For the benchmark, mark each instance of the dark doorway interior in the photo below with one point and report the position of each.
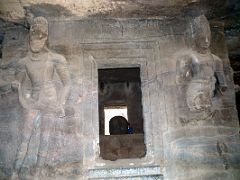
(234, 60)
(120, 91)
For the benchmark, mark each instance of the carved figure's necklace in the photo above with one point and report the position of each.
(34, 58)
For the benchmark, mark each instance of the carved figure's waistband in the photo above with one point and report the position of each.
(46, 84)
(205, 81)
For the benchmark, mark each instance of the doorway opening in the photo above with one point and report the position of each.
(120, 114)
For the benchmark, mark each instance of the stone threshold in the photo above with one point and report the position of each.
(144, 172)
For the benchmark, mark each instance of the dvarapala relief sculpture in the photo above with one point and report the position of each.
(200, 70)
(44, 103)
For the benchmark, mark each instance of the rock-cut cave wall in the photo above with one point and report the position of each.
(181, 143)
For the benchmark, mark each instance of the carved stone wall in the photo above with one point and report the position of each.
(176, 147)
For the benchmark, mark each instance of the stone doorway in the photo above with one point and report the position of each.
(120, 88)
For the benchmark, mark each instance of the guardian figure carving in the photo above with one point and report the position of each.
(200, 70)
(43, 102)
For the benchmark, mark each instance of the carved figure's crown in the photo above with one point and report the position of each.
(200, 21)
(200, 25)
(41, 24)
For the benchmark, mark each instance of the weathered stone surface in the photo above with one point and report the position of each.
(182, 142)
(123, 8)
(122, 146)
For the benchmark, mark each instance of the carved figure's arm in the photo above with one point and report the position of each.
(17, 84)
(5, 85)
(219, 73)
(184, 71)
(63, 73)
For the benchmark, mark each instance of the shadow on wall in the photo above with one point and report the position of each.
(238, 104)
(234, 60)
(1, 43)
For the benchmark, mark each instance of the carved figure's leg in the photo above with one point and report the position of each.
(45, 134)
(27, 132)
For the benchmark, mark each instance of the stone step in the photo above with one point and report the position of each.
(130, 173)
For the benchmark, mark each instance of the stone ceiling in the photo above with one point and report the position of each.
(14, 10)
(225, 10)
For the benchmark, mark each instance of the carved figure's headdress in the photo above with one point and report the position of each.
(201, 25)
(201, 20)
(41, 24)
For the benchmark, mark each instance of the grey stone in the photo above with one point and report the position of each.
(180, 143)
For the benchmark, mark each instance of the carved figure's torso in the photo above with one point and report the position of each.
(41, 73)
(203, 68)
(201, 73)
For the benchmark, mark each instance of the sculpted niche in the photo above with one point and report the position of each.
(43, 102)
(200, 71)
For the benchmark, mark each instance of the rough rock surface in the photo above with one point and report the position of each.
(201, 145)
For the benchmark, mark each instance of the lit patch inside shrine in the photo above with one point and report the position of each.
(110, 112)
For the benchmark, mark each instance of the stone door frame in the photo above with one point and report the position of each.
(141, 54)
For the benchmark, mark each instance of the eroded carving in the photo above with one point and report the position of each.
(39, 66)
(43, 101)
(200, 70)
